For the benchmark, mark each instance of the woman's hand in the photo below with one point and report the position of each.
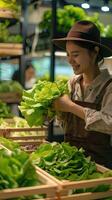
(63, 104)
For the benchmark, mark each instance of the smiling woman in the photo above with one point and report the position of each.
(86, 115)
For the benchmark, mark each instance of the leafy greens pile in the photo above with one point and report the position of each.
(5, 110)
(36, 105)
(16, 168)
(63, 161)
(10, 86)
(10, 5)
(66, 162)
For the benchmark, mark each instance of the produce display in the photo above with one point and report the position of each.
(10, 5)
(6, 36)
(16, 168)
(68, 163)
(5, 111)
(67, 16)
(10, 86)
(36, 105)
(19, 122)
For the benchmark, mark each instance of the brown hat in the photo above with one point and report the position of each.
(85, 31)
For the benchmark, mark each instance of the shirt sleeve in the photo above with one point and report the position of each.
(100, 120)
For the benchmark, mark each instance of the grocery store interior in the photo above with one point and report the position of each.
(27, 30)
(35, 25)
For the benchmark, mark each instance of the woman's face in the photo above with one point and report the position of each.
(29, 73)
(81, 60)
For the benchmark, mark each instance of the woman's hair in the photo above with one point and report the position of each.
(28, 65)
(16, 75)
(90, 47)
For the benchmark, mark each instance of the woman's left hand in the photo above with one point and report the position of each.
(63, 104)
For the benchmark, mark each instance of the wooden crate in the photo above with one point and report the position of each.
(27, 143)
(10, 97)
(65, 187)
(6, 13)
(11, 49)
(48, 187)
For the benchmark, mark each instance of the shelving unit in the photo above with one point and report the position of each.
(10, 51)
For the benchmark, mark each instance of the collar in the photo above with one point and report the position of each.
(103, 77)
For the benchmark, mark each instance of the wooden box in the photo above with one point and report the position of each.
(48, 188)
(27, 143)
(11, 49)
(10, 97)
(6, 13)
(65, 187)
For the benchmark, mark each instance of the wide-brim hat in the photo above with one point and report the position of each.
(86, 31)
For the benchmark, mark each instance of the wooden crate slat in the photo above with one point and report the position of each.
(10, 52)
(88, 196)
(49, 188)
(65, 186)
(30, 142)
(11, 46)
(5, 13)
(10, 97)
(11, 49)
(40, 137)
(24, 129)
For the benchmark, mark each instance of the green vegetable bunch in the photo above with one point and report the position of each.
(6, 36)
(36, 105)
(66, 18)
(66, 162)
(10, 5)
(16, 169)
(63, 161)
(10, 86)
(5, 110)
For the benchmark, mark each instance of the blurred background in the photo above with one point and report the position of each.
(27, 28)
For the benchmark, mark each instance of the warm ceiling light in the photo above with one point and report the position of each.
(85, 5)
(105, 7)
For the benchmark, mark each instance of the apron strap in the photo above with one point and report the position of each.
(97, 103)
(99, 97)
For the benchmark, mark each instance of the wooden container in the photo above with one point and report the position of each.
(27, 143)
(11, 49)
(6, 13)
(65, 187)
(48, 188)
(10, 97)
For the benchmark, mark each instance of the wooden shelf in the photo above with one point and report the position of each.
(7, 14)
(11, 49)
(10, 97)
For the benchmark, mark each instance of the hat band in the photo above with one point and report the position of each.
(85, 36)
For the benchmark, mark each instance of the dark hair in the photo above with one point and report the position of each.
(16, 75)
(28, 65)
(90, 47)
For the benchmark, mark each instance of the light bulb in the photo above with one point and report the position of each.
(105, 8)
(85, 5)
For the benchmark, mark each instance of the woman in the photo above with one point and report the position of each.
(30, 76)
(87, 114)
